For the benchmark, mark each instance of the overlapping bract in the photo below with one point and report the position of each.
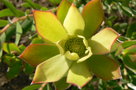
(53, 66)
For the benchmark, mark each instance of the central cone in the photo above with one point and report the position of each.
(75, 45)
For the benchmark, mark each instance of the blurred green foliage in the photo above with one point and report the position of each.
(119, 14)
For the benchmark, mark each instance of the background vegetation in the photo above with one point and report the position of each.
(17, 30)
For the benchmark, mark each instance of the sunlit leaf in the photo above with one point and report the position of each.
(79, 74)
(37, 53)
(93, 15)
(48, 26)
(102, 42)
(52, 69)
(104, 67)
(74, 22)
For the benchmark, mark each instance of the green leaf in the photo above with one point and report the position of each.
(37, 41)
(48, 26)
(130, 50)
(55, 1)
(79, 74)
(32, 87)
(19, 32)
(115, 46)
(3, 23)
(33, 5)
(34, 54)
(52, 69)
(93, 15)
(27, 24)
(10, 47)
(26, 5)
(104, 67)
(14, 70)
(61, 84)
(130, 62)
(28, 69)
(126, 44)
(74, 22)
(131, 29)
(6, 12)
(16, 12)
(2, 40)
(63, 10)
(102, 42)
(126, 10)
(22, 47)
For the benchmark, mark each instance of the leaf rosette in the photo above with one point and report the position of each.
(76, 51)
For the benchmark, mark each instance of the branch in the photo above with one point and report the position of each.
(14, 21)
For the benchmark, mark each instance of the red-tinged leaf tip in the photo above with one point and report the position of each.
(93, 15)
(35, 53)
(101, 43)
(118, 35)
(31, 45)
(90, 2)
(33, 82)
(111, 73)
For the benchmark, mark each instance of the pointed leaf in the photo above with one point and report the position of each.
(79, 74)
(55, 1)
(74, 22)
(130, 62)
(126, 44)
(33, 5)
(102, 42)
(52, 69)
(2, 40)
(131, 29)
(61, 84)
(130, 50)
(32, 87)
(93, 15)
(12, 8)
(19, 32)
(63, 9)
(6, 12)
(37, 53)
(48, 26)
(104, 67)
(3, 23)
(10, 47)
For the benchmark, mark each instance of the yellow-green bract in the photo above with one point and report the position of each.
(70, 31)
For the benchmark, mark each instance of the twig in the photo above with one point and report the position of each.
(42, 86)
(14, 21)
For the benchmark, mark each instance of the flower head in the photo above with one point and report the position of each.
(77, 51)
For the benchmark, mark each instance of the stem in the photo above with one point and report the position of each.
(42, 86)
